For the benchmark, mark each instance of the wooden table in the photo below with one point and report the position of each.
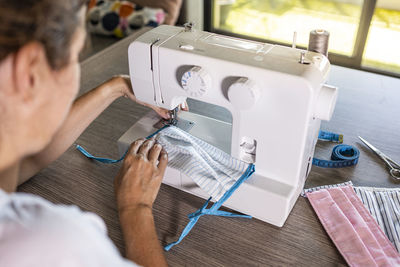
(368, 105)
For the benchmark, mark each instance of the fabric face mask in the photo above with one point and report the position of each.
(209, 167)
(352, 228)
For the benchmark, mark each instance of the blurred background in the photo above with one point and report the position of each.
(364, 34)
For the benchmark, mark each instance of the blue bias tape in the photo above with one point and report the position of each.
(111, 161)
(195, 216)
(342, 155)
(156, 132)
(103, 160)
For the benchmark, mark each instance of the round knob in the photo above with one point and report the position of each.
(196, 81)
(243, 93)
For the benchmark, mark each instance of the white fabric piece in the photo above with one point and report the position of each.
(211, 169)
(35, 232)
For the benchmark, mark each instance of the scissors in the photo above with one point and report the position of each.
(393, 166)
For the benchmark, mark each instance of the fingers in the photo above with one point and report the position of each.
(164, 113)
(184, 106)
(151, 151)
(145, 147)
(163, 161)
(154, 153)
(135, 146)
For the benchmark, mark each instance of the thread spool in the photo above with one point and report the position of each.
(318, 41)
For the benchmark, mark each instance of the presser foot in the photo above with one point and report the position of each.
(181, 124)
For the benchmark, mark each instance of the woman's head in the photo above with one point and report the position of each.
(40, 41)
(50, 22)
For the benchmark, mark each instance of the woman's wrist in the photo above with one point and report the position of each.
(111, 90)
(135, 213)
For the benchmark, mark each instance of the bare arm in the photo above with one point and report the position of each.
(141, 242)
(83, 111)
(136, 187)
(171, 7)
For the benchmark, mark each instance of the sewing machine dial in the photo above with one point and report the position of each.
(243, 93)
(196, 81)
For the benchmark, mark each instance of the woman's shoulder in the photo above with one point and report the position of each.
(48, 233)
(29, 209)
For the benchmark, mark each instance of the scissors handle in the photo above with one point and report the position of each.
(395, 173)
(394, 164)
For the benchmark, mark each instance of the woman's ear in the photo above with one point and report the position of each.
(30, 65)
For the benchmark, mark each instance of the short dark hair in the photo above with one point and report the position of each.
(49, 22)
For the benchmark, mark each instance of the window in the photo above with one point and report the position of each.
(364, 34)
(382, 50)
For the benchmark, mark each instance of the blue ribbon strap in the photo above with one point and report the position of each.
(214, 210)
(103, 160)
(111, 161)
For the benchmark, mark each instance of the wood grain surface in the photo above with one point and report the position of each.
(368, 105)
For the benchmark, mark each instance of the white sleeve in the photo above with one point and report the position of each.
(35, 232)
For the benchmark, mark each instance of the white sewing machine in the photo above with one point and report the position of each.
(275, 96)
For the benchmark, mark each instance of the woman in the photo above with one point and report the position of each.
(40, 42)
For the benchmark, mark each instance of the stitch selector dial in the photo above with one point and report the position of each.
(243, 93)
(196, 81)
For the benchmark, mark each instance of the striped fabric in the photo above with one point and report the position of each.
(352, 228)
(210, 168)
(382, 203)
(384, 206)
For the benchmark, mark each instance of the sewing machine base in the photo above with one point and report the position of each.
(261, 197)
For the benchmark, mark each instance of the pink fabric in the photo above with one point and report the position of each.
(352, 228)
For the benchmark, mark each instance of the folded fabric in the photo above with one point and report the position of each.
(352, 228)
(210, 168)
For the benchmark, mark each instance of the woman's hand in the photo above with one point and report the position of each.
(122, 84)
(136, 187)
(138, 181)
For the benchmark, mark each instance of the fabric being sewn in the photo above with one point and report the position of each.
(211, 169)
